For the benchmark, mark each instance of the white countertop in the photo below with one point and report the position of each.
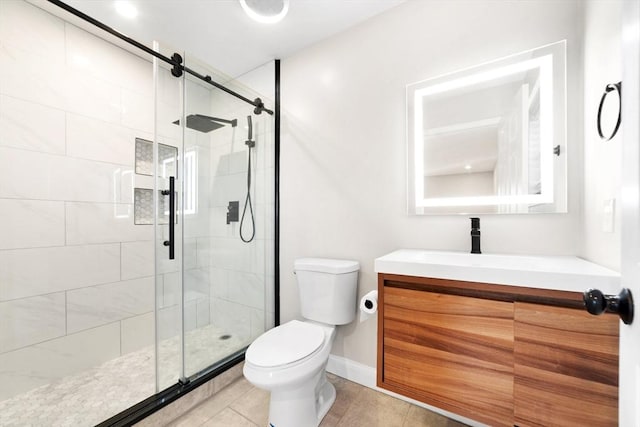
(565, 273)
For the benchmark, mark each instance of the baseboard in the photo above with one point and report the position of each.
(352, 370)
(366, 375)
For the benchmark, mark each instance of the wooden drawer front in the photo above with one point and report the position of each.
(566, 367)
(450, 351)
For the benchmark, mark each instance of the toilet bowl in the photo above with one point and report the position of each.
(294, 373)
(289, 361)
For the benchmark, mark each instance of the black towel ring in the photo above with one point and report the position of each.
(610, 88)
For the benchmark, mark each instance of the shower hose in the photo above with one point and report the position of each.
(247, 202)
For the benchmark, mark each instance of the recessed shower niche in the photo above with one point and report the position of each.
(143, 197)
(167, 158)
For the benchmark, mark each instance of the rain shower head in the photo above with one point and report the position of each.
(206, 124)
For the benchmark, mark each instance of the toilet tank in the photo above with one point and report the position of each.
(328, 289)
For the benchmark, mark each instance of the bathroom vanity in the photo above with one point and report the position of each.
(503, 340)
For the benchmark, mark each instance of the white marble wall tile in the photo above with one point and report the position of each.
(95, 139)
(219, 158)
(246, 289)
(28, 321)
(219, 278)
(127, 180)
(31, 223)
(228, 187)
(204, 252)
(98, 305)
(137, 332)
(137, 260)
(219, 226)
(36, 365)
(198, 95)
(234, 254)
(268, 255)
(169, 90)
(258, 323)
(23, 76)
(45, 37)
(23, 174)
(30, 272)
(238, 161)
(270, 220)
(203, 312)
(107, 62)
(31, 126)
(271, 320)
(196, 283)
(190, 316)
(88, 223)
(92, 97)
(198, 224)
(258, 188)
(164, 264)
(167, 114)
(138, 111)
(171, 289)
(190, 253)
(270, 292)
(169, 323)
(34, 175)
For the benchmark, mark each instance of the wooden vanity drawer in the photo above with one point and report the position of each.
(454, 352)
(566, 367)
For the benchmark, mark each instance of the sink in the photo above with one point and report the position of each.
(566, 273)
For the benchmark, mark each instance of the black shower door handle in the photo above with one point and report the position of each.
(171, 192)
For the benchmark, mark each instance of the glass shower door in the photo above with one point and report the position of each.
(167, 149)
(228, 238)
(212, 297)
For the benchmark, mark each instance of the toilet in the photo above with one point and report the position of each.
(290, 360)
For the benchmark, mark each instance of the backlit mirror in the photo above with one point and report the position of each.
(490, 139)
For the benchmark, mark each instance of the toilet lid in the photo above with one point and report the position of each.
(285, 344)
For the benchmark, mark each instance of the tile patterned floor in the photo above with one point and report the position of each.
(90, 397)
(242, 405)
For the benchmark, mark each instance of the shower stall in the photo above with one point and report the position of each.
(123, 182)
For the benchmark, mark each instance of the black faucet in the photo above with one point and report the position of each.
(475, 235)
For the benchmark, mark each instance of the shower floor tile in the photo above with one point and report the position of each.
(92, 396)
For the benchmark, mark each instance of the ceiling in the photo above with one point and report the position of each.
(222, 35)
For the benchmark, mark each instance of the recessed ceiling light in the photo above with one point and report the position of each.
(265, 11)
(126, 9)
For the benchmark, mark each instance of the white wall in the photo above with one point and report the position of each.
(602, 160)
(343, 191)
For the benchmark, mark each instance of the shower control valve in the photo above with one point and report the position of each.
(233, 211)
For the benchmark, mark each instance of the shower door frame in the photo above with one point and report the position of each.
(164, 397)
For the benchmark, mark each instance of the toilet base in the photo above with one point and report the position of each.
(304, 406)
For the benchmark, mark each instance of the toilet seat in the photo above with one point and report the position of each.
(285, 344)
